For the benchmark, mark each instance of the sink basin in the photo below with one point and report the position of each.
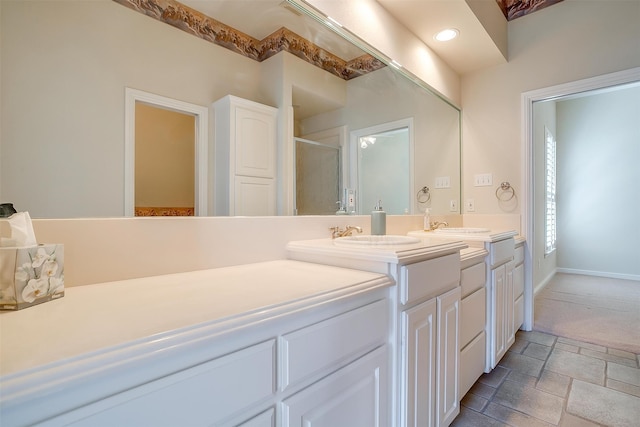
(458, 230)
(368, 240)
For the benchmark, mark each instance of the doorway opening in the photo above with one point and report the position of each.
(532, 219)
(382, 167)
(150, 166)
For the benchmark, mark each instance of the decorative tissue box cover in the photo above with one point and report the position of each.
(30, 275)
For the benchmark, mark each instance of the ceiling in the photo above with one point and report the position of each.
(482, 25)
(475, 48)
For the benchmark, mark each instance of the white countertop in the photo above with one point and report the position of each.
(489, 236)
(94, 317)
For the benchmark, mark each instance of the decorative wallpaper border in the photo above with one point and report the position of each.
(164, 211)
(513, 9)
(193, 22)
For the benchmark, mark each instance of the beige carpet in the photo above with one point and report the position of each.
(597, 310)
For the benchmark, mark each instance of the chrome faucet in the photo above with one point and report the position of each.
(337, 232)
(436, 224)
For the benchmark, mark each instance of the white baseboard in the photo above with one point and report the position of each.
(540, 286)
(599, 274)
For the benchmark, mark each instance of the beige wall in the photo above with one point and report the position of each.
(65, 67)
(164, 158)
(571, 40)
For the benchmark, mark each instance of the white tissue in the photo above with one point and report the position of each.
(21, 230)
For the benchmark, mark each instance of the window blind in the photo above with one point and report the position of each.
(550, 193)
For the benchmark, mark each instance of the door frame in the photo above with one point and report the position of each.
(201, 115)
(527, 225)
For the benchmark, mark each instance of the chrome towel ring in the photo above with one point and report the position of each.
(505, 192)
(424, 195)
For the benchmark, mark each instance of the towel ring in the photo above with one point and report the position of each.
(424, 195)
(505, 188)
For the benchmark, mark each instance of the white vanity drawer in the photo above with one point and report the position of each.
(472, 316)
(266, 419)
(429, 278)
(472, 278)
(518, 312)
(472, 363)
(518, 281)
(200, 396)
(501, 251)
(518, 256)
(321, 348)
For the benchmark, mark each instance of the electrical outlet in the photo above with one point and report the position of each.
(483, 180)
(470, 205)
(453, 205)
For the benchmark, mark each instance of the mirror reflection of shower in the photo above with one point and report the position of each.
(318, 177)
(381, 168)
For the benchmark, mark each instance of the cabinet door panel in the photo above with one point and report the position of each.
(254, 196)
(418, 365)
(354, 396)
(255, 143)
(447, 397)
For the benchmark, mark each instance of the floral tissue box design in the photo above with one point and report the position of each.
(30, 275)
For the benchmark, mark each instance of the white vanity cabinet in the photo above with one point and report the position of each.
(245, 157)
(312, 350)
(333, 372)
(429, 296)
(425, 321)
(500, 323)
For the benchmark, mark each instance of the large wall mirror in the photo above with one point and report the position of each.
(66, 65)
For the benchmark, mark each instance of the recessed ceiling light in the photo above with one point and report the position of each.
(446, 35)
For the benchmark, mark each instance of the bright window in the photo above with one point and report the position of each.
(550, 191)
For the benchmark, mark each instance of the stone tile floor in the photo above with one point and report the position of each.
(546, 380)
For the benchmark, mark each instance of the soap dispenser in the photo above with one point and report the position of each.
(427, 219)
(378, 220)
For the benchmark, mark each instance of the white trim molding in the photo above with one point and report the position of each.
(201, 115)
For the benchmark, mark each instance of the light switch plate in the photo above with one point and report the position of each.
(453, 205)
(483, 180)
(443, 182)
